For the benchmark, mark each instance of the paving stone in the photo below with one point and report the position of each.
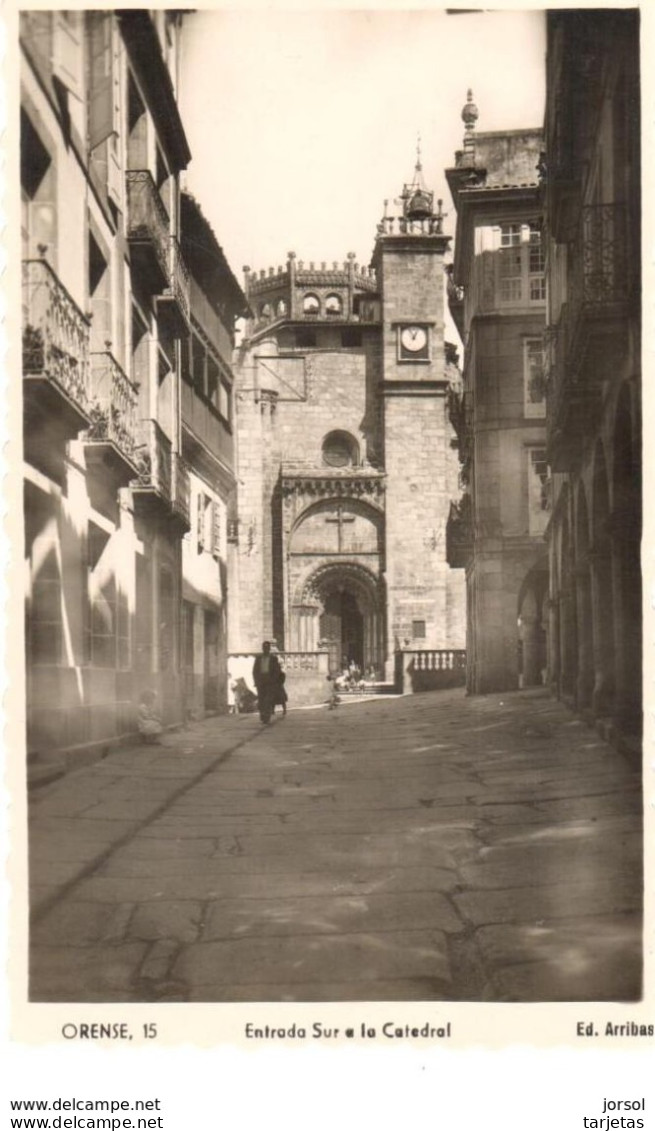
(333, 857)
(612, 980)
(79, 974)
(543, 904)
(157, 964)
(342, 915)
(316, 958)
(179, 920)
(82, 924)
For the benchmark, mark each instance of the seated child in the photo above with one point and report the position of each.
(149, 718)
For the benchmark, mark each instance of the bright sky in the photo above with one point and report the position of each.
(301, 123)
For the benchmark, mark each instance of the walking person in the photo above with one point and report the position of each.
(266, 673)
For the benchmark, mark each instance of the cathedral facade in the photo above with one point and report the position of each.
(346, 453)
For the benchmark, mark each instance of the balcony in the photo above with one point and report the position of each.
(162, 489)
(174, 304)
(586, 348)
(112, 435)
(55, 357)
(147, 231)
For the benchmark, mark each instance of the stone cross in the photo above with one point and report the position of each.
(340, 519)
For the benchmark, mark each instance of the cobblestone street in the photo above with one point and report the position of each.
(431, 847)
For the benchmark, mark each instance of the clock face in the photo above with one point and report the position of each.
(414, 343)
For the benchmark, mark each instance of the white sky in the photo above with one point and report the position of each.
(301, 123)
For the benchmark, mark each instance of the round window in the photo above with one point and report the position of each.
(339, 450)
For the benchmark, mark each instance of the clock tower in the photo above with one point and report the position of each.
(425, 597)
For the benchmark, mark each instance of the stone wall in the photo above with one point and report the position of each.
(306, 673)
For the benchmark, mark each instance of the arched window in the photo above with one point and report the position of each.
(311, 304)
(266, 312)
(340, 449)
(281, 308)
(333, 305)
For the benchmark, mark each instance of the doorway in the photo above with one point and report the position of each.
(342, 629)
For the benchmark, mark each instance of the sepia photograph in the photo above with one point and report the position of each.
(331, 395)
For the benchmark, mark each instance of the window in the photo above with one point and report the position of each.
(266, 312)
(538, 491)
(212, 382)
(140, 357)
(102, 599)
(311, 304)
(520, 265)
(281, 308)
(534, 379)
(418, 629)
(100, 296)
(225, 402)
(340, 449)
(536, 265)
(45, 622)
(333, 305)
(38, 194)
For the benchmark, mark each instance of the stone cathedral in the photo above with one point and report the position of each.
(347, 457)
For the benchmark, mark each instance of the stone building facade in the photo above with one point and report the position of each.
(345, 459)
(592, 195)
(110, 425)
(497, 296)
(208, 448)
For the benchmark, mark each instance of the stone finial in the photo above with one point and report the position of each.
(271, 271)
(291, 255)
(323, 265)
(351, 254)
(335, 265)
(470, 113)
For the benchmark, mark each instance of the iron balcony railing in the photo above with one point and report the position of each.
(154, 459)
(180, 286)
(600, 263)
(55, 333)
(147, 219)
(113, 404)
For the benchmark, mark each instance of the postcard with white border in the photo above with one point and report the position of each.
(325, 585)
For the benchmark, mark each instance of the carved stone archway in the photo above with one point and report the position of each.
(341, 608)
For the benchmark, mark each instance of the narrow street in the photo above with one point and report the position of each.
(423, 848)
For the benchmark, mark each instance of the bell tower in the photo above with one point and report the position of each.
(426, 598)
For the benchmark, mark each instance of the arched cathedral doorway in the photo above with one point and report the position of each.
(341, 610)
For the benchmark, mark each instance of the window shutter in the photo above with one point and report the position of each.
(114, 178)
(67, 51)
(101, 92)
(216, 539)
(201, 521)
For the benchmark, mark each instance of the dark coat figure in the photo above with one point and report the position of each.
(267, 677)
